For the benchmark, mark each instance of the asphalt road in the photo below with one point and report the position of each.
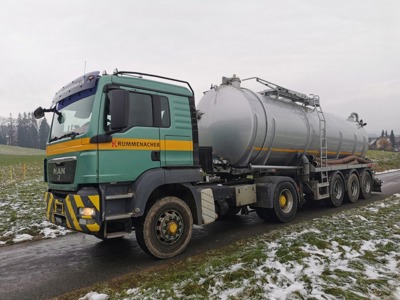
(47, 268)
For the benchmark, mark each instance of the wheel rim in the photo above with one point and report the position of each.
(338, 189)
(169, 227)
(354, 188)
(286, 201)
(367, 185)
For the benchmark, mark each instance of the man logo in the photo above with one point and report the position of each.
(58, 171)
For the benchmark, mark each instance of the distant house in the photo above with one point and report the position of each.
(382, 143)
(372, 143)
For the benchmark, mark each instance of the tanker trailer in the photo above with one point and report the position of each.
(282, 136)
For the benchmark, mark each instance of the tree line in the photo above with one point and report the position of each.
(391, 137)
(25, 131)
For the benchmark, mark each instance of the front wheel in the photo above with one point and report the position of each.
(285, 204)
(166, 229)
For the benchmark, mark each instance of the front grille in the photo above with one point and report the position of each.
(61, 171)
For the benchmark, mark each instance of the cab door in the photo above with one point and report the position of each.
(135, 149)
(176, 136)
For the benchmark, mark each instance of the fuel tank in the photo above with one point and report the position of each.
(245, 128)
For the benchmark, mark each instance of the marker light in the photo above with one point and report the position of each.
(87, 211)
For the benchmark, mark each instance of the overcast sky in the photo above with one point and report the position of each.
(347, 52)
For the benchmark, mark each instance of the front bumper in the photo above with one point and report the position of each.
(66, 212)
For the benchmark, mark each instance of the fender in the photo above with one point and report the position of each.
(154, 178)
(266, 188)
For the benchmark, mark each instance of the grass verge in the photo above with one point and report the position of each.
(350, 255)
(384, 160)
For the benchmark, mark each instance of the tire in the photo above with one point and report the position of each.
(266, 214)
(166, 229)
(336, 190)
(285, 204)
(365, 185)
(353, 188)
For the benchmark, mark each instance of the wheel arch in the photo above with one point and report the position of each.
(267, 186)
(333, 173)
(182, 191)
(156, 183)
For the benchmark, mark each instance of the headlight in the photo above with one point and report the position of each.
(87, 211)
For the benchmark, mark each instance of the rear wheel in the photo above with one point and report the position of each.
(285, 204)
(365, 185)
(336, 189)
(353, 188)
(166, 229)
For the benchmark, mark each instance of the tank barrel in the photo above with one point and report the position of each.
(271, 128)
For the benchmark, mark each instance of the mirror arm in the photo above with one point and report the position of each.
(53, 110)
(39, 112)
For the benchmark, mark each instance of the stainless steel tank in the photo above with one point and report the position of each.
(245, 128)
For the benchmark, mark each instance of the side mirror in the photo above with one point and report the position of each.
(119, 109)
(38, 113)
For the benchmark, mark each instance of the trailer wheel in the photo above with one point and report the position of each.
(365, 185)
(353, 188)
(166, 229)
(336, 190)
(285, 204)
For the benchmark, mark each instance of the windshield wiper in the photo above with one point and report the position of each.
(72, 134)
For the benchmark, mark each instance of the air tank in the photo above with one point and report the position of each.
(245, 128)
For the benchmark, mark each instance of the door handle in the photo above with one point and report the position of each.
(155, 155)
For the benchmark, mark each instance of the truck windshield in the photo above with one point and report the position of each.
(74, 119)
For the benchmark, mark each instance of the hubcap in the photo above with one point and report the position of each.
(282, 201)
(338, 190)
(354, 188)
(172, 227)
(286, 201)
(169, 227)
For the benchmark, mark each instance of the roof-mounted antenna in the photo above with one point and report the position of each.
(84, 69)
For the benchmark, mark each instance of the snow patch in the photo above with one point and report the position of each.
(388, 171)
(396, 294)
(94, 296)
(22, 237)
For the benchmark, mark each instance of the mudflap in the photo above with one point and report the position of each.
(66, 212)
(377, 185)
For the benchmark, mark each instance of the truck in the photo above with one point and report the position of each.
(131, 151)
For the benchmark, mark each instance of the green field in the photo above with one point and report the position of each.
(384, 160)
(19, 151)
(21, 196)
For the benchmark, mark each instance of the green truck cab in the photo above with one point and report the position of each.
(122, 154)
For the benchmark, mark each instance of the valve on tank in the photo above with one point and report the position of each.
(233, 81)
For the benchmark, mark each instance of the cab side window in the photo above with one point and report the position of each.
(140, 110)
(145, 110)
(165, 115)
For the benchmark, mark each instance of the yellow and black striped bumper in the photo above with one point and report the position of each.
(66, 212)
